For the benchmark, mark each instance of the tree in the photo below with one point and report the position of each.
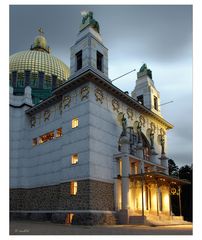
(173, 168)
(185, 172)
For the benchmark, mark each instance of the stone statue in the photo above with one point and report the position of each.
(139, 132)
(162, 144)
(143, 68)
(88, 18)
(124, 125)
(152, 138)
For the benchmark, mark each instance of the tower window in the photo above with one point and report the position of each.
(99, 61)
(79, 60)
(75, 122)
(155, 103)
(73, 188)
(140, 99)
(74, 159)
(59, 133)
(34, 141)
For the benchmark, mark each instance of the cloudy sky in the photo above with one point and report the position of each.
(160, 36)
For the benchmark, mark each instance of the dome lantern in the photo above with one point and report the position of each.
(40, 43)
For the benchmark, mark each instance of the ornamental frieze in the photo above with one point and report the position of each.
(99, 95)
(84, 93)
(130, 113)
(47, 114)
(142, 120)
(116, 105)
(33, 121)
(66, 101)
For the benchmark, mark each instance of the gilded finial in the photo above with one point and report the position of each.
(41, 32)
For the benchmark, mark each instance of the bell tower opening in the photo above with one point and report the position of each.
(89, 52)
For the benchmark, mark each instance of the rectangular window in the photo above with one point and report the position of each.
(34, 141)
(155, 103)
(75, 122)
(46, 137)
(140, 99)
(74, 158)
(69, 218)
(59, 132)
(73, 188)
(79, 60)
(99, 61)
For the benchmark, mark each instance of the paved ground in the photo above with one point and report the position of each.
(48, 228)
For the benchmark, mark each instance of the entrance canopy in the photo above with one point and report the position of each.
(159, 177)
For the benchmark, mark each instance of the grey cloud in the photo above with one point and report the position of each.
(161, 36)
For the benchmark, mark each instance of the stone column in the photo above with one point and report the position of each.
(116, 182)
(124, 214)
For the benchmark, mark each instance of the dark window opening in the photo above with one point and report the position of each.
(99, 61)
(27, 77)
(54, 82)
(155, 103)
(79, 60)
(140, 99)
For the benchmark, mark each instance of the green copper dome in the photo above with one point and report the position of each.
(38, 69)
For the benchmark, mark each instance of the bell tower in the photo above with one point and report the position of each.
(145, 91)
(89, 51)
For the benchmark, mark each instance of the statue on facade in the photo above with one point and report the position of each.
(139, 132)
(89, 20)
(162, 144)
(124, 125)
(152, 138)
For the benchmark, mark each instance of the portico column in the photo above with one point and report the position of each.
(116, 182)
(180, 207)
(125, 171)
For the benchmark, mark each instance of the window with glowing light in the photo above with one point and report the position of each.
(34, 141)
(46, 137)
(69, 218)
(74, 158)
(73, 188)
(75, 122)
(59, 132)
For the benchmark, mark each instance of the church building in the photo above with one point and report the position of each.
(82, 151)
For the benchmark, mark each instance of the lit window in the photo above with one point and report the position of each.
(74, 158)
(73, 188)
(59, 132)
(46, 137)
(34, 141)
(75, 122)
(69, 218)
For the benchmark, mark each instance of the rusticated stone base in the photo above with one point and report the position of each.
(78, 218)
(91, 195)
(94, 219)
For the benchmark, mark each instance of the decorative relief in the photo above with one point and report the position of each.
(130, 113)
(162, 141)
(60, 108)
(84, 93)
(99, 95)
(66, 101)
(33, 121)
(153, 127)
(115, 105)
(142, 120)
(47, 114)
